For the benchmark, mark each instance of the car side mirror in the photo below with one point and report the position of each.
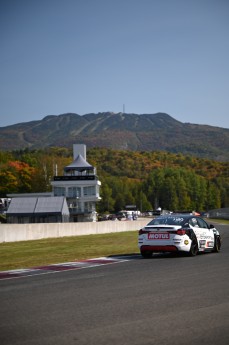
(211, 226)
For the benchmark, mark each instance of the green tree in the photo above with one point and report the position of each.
(168, 197)
(143, 204)
(106, 203)
(212, 200)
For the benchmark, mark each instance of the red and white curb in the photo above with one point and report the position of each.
(75, 265)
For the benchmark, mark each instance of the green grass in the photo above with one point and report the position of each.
(28, 254)
(220, 221)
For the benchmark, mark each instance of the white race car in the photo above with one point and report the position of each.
(178, 233)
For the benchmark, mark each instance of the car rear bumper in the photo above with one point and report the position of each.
(166, 248)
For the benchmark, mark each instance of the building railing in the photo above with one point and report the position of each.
(74, 178)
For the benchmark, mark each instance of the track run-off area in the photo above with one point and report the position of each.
(119, 300)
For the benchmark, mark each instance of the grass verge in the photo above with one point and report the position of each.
(28, 254)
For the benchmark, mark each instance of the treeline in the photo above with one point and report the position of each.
(144, 179)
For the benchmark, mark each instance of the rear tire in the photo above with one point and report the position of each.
(146, 254)
(194, 247)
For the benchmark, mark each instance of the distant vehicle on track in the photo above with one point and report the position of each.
(178, 233)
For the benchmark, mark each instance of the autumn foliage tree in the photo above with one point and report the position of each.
(145, 179)
(16, 177)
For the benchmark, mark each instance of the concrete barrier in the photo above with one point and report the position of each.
(27, 232)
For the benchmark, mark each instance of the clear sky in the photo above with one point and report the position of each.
(90, 56)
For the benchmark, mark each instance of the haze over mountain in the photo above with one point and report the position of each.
(145, 132)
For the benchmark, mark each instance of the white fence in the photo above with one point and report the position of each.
(26, 232)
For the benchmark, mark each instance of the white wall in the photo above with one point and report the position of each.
(26, 232)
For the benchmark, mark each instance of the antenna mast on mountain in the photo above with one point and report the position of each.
(123, 108)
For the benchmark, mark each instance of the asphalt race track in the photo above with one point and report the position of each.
(135, 301)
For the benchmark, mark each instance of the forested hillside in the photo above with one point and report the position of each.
(147, 179)
(145, 132)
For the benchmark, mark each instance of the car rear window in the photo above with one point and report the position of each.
(173, 220)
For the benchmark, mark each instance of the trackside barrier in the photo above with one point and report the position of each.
(222, 213)
(28, 232)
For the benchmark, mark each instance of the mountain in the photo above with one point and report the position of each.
(145, 132)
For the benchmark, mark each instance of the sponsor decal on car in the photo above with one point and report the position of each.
(205, 237)
(158, 236)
